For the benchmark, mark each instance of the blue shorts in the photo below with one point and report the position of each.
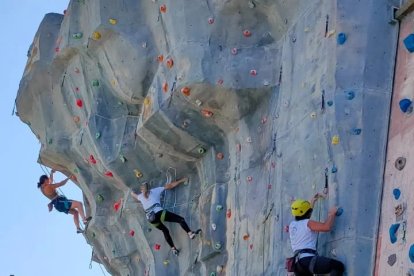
(62, 204)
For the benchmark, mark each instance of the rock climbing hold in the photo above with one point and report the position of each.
(50, 141)
(160, 58)
(217, 246)
(97, 135)
(411, 253)
(350, 95)
(117, 205)
(398, 210)
(238, 147)
(251, 4)
(96, 35)
(213, 274)
(249, 178)
(163, 8)
(397, 193)
(211, 20)
(313, 115)
(246, 237)
(219, 207)
(157, 246)
(95, 83)
(392, 259)
(234, 51)
(263, 120)
(393, 232)
(112, 21)
(339, 211)
(122, 158)
(248, 139)
(220, 156)
(99, 198)
(93, 234)
(92, 159)
(198, 102)
(138, 174)
(400, 163)
(269, 186)
(335, 140)
(79, 102)
(247, 33)
(147, 101)
(131, 233)
(228, 213)
(341, 38)
(334, 169)
(406, 106)
(409, 43)
(219, 269)
(57, 49)
(165, 87)
(109, 174)
(356, 131)
(213, 226)
(329, 103)
(286, 228)
(77, 35)
(207, 113)
(186, 123)
(186, 91)
(253, 72)
(201, 150)
(166, 262)
(169, 63)
(220, 82)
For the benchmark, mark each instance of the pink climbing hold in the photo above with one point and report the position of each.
(79, 102)
(234, 51)
(131, 233)
(211, 20)
(220, 156)
(238, 147)
(220, 82)
(157, 246)
(57, 49)
(92, 159)
(109, 174)
(249, 178)
(253, 72)
(77, 71)
(251, 246)
(247, 33)
(286, 228)
(264, 120)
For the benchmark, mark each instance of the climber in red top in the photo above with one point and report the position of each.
(156, 215)
(61, 203)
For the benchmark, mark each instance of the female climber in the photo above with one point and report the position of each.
(156, 215)
(303, 237)
(61, 203)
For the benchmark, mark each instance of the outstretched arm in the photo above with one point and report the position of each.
(51, 175)
(324, 226)
(315, 198)
(174, 184)
(61, 183)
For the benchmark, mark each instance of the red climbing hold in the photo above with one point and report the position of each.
(228, 213)
(170, 63)
(79, 102)
(247, 33)
(211, 20)
(165, 87)
(157, 246)
(131, 233)
(253, 72)
(109, 174)
(207, 113)
(160, 58)
(57, 49)
(92, 159)
(220, 156)
(117, 205)
(163, 8)
(186, 91)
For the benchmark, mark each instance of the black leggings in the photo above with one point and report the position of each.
(170, 217)
(323, 265)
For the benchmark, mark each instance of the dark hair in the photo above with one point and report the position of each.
(42, 180)
(307, 215)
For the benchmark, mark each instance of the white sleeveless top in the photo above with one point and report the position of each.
(301, 236)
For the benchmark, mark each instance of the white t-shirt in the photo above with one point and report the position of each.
(301, 236)
(153, 198)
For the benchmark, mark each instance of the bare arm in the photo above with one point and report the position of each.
(324, 226)
(61, 183)
(315, 198)
(51, 175)
(174, 184)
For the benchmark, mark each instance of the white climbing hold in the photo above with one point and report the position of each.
(213, 226)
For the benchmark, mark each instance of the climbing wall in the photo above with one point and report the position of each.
(396, 241)
(257, 102)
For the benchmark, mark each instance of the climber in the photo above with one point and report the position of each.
(156, 215)
(61, 203)
(303, 238)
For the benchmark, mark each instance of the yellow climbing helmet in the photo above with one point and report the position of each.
(299, 207)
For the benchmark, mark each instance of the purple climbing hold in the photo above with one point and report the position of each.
(406, 105)
(393, 232)
(409, 43)
(341, 38)
(411, 253)
(396, 192)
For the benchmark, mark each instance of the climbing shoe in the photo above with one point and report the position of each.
(88, 219)
(175, 251)
(79, 231)
(192, 234)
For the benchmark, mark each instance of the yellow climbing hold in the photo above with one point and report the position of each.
(147, 101)
(113, 82)
(335, 140)
(313, 115)
(138, 174)
(96, 35)
(113, 21)
(330, 33)
(166, 262)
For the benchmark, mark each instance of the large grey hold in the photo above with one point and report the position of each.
(392, 259)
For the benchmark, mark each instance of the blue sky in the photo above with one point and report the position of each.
(32, 241)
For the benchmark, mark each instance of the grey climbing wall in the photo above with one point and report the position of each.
(254, 101)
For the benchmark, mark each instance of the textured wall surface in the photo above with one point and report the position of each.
(253, 100)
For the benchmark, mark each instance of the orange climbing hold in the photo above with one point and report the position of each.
(169, 63)
(186, 91)
(246, 237)
(163, 8)
(160, 58)
(109, 174)
(92, 159)
(165, 87)
(131, 233)
(247, 33)
(79, 102)
(207, 113)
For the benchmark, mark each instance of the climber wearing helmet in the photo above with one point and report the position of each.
(303, 238)
(61, 203)
(156, 215)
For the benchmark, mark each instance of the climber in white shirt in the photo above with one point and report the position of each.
(303, 237)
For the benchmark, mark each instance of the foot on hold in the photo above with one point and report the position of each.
(88, 219)
(79, 231)
(192, 234)
(175, 251)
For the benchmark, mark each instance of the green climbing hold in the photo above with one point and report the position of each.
(50, 141)
(201, 150)
(76, 170)
(123, 159)
(98, 135)
(77, 35)
(95, 83)
(99, 198)
(213, 274)
(217, 246)
(219, 207)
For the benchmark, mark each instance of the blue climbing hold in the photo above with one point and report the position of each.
(334, 169)
(405, 105)
(396, 192)
(356, 131)
(341, 38)
(350, 95)
(409, 43)
(393, 232)
(329, 103)
(339, 211)
(411, 253)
